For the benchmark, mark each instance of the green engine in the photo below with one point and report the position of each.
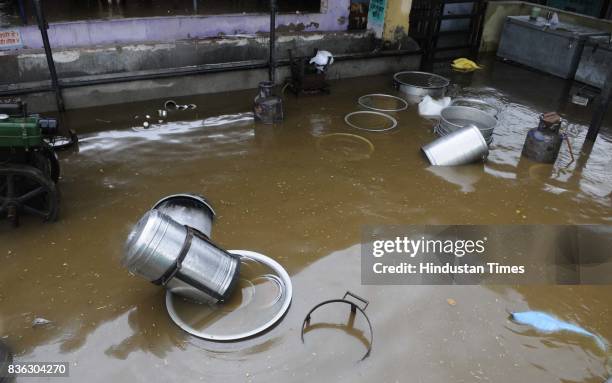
(24, 132)
(29, 167)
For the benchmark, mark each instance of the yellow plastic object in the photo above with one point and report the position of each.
(465, 65)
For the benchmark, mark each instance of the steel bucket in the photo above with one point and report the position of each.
(454, 118)
(460, 147)
(179, 258)
(191, 210)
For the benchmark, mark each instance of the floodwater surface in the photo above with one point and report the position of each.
(300, 193)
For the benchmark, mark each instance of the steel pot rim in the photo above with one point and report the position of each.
(193, 196)
(447, 81)
(477, 102)
(276, 267)
(443, 119)
(403, 107)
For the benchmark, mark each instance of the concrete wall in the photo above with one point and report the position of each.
(88, 33)
(31, 65)
(497, 11)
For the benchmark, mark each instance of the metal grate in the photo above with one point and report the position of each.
(447, 28)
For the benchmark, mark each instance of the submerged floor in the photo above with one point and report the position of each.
(291, 193)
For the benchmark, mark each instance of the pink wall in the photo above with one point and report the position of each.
(333, 17)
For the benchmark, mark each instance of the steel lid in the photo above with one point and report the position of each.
(261, 298)
(143, 240)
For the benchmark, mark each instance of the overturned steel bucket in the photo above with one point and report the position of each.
(180, 258)
(190, 210)
(460, 147)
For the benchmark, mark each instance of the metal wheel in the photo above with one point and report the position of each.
(25, 189)
(46, 161)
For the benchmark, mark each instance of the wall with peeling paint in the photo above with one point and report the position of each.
(397, 20)
(333, 17)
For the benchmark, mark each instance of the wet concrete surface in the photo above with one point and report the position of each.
(282, 192)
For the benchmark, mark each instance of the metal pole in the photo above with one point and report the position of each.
(272, 59)
(22, 12)
(600, 108)
(43, 26)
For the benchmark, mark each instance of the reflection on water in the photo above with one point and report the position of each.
(463, 176)
(276, 192)
(345, 146)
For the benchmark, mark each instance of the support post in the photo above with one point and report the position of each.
(272, 59)
(22, 12)
(602, 103)
(43, 26)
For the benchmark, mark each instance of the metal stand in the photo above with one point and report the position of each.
(267, 107)
(43, 26)
(600, 108)
(22, 12)
(307, 326)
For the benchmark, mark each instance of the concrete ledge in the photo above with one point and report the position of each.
(140, 90)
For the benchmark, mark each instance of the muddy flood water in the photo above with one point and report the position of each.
(301, 196)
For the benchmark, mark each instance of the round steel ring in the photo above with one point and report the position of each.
(276, 267)
(360, 102)
(370, 112)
